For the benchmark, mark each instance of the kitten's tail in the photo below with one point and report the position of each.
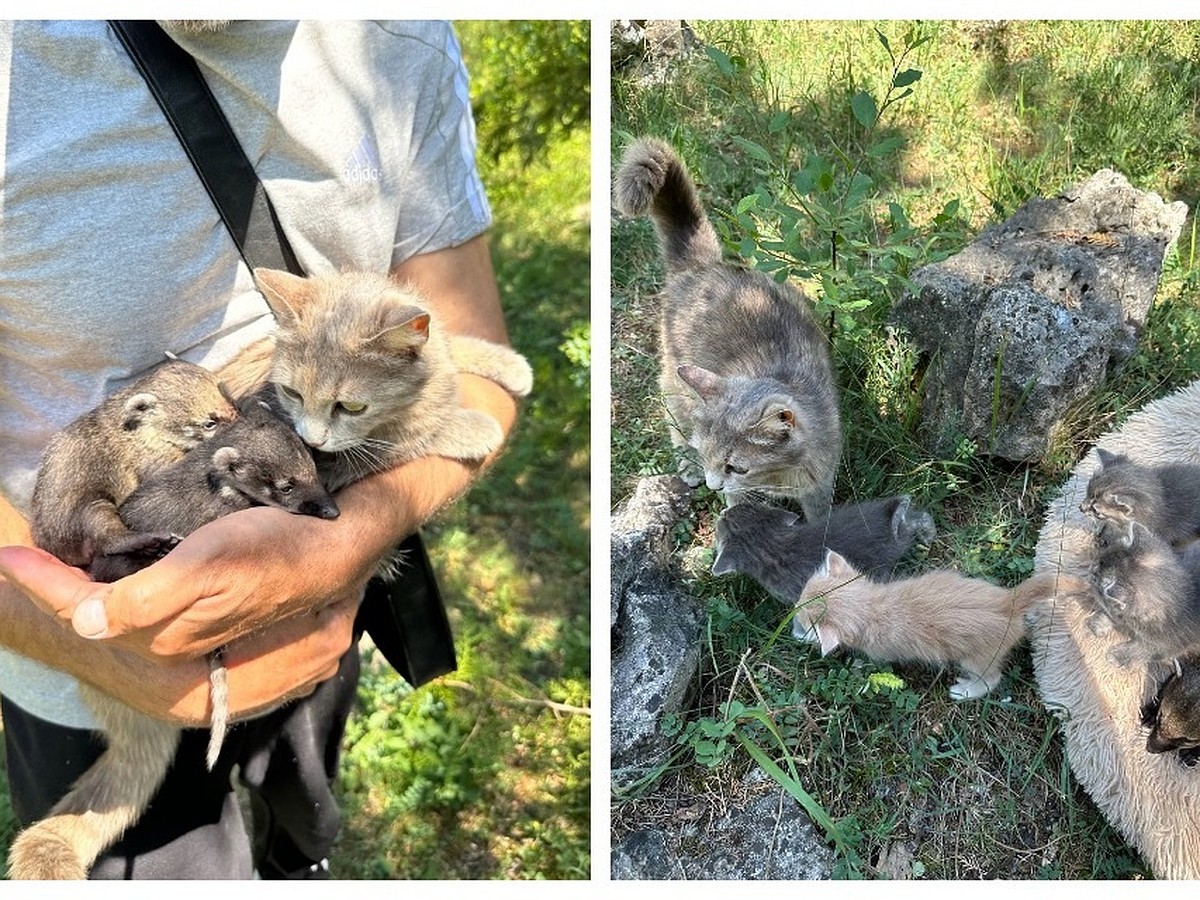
(1045, 585)
(652, 180)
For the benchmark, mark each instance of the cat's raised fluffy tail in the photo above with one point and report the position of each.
(652, 180)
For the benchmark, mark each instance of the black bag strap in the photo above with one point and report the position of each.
(407, 617)
(192, 111)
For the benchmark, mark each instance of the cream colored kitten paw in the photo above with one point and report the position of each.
(969, 688)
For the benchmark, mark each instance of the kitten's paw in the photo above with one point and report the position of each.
(1123, 655)
(691, 472)
(1098, 623)
(969, 687)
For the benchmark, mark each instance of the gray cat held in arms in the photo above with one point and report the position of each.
(781, 553)
(745, 371)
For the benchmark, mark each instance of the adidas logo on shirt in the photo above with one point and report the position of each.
(363, 164)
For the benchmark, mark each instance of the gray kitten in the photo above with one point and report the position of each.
(745, 371)
(1147, 593)
(1166, 499)
(774, 548)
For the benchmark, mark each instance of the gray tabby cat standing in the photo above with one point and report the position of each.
(745, 371)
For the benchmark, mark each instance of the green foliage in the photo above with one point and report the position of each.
(530, 82)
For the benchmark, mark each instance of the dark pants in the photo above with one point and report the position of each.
(193, 827)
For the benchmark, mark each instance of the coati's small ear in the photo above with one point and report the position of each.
(405, 329)
(228, 459)
(829, 638)
(135, 409)
(283, 291)
(706, 384)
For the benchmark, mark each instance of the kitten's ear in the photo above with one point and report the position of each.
(836, 565)
(829, 638)
(1106, 458)
(706, 384)
(405, 328)
(283, 291)
(723, 565)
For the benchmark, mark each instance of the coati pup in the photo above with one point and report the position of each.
(93, 464)
(781, 553)
(744, 370)
(1173, 717)
(1146, 592)
(1165, 499)
(258, 460)
(254, 460)
(940, 618)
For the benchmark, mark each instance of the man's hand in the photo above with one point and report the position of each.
(233, 577)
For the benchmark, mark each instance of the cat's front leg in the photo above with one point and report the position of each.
(467, 434)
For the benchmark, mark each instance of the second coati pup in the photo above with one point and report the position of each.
(97, 461)
(257, 459)
(781, 553)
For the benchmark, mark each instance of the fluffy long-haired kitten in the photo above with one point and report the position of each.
(1145, 590)
(781, 553)
(940, 618)
(744, 368)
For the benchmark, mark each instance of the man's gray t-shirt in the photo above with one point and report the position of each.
(111, 253)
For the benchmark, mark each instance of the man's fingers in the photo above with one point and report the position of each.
(54, 586)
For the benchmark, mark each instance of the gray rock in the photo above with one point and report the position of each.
(656, 630)
(1026, 320)
(768, 837)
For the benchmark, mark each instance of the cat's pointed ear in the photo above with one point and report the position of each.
(723, 565)
(836, 565)
(706, 384)
(283, 291)
(829, 638)
(779, 417)
(406, 328)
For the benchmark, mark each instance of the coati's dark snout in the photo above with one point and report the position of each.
(321, 507)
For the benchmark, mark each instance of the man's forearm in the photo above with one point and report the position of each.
(391, 505)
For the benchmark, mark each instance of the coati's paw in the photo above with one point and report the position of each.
(969, 687)
(40, 855)
(147, 545)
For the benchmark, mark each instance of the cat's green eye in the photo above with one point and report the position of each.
(351, 408)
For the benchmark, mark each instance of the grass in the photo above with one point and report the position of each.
(1001, 112)
(485, 773)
